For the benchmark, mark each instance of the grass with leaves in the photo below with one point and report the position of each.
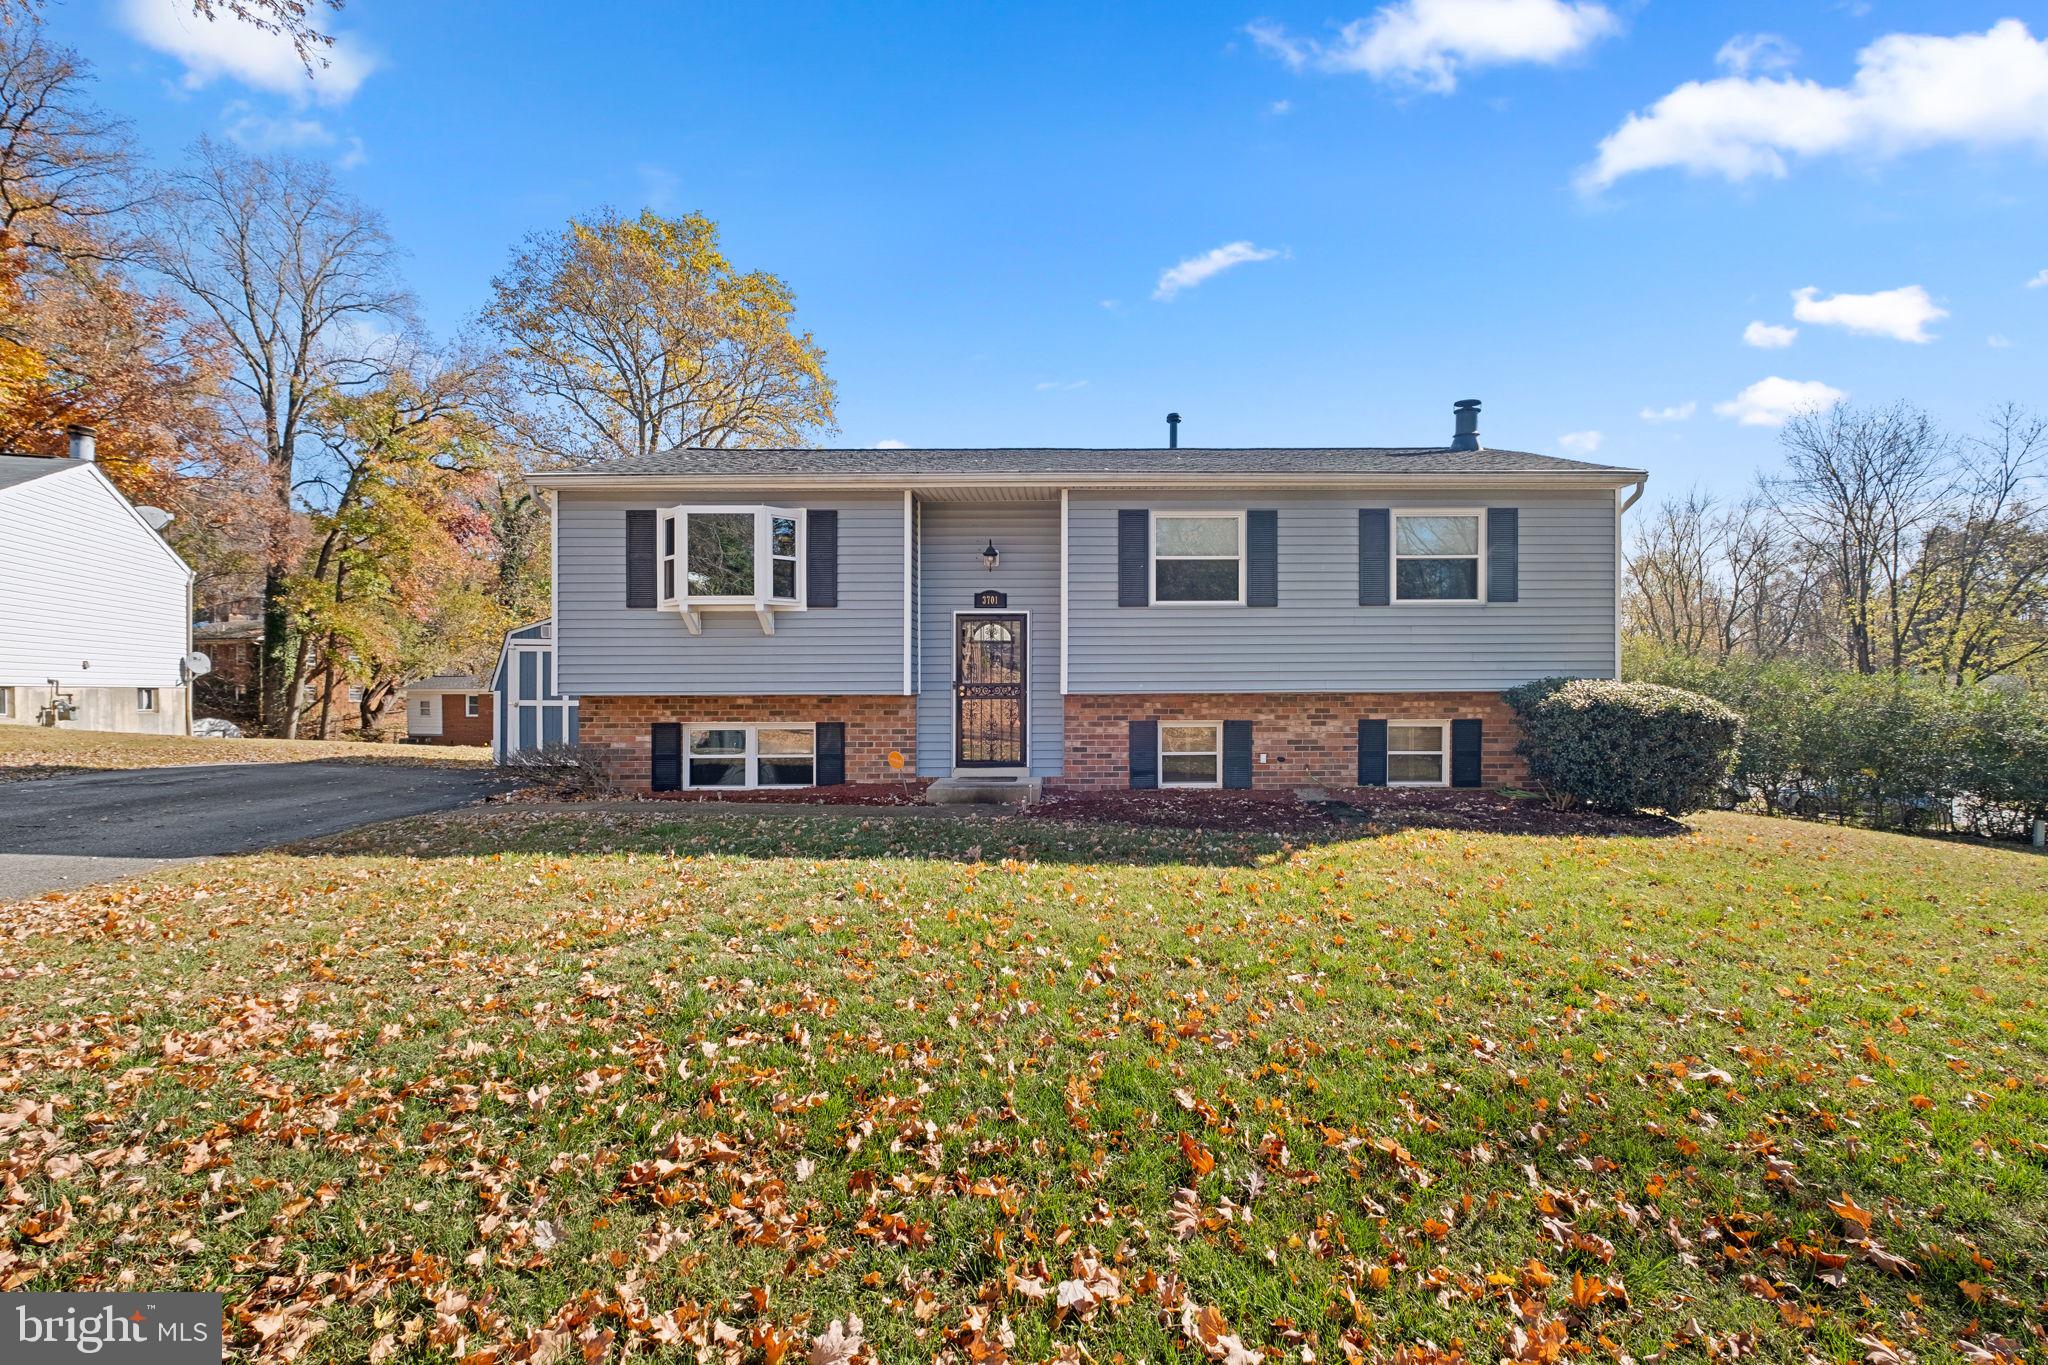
(711, 1085)
(32, 751)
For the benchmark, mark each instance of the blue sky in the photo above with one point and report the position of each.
(979, 206)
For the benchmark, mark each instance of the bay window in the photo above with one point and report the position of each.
(731, 557)
(747, 756)
(1436, 557)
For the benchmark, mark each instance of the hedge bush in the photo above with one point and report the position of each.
(1624, 745)
(1894, 752)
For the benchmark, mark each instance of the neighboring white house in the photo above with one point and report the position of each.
(95, 609)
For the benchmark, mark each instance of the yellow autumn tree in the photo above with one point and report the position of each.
(630, 336)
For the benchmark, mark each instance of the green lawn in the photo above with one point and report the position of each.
(691, 1085)
(31, 751)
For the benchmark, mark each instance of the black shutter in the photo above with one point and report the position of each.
(1237, 753)
(831, 753)
(1374, 559)
(1372, 753)
(1503, 554)
(821, 559)
(640, 558)
(1144, 754)
(1262, 558)
(1465, 753)
(1133, 558)
(666, 774)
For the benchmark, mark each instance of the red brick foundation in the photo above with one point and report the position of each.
(1310, 739)
(620, 730)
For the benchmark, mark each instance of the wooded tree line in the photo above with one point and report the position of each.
(1885, 545)
(1877, 611)
(238, 331)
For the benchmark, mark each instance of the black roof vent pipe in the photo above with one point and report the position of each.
(1173, 431)
(1466, 437)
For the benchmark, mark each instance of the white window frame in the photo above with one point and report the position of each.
(146, 700)
(1215, 727)
(753, 754)
(1394, 555)
(1443, 753)
(472, 706)
(1153, 556)
(672, 567)
(6, 701)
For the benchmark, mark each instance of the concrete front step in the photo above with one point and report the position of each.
(983, 791)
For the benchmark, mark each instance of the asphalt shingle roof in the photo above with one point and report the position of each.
(1029, 462)
(19, 469)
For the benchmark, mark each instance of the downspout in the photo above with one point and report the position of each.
(1619, 510)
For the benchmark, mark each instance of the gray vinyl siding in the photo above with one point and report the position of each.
(954, 535)
(605, 648)
(1319, 639)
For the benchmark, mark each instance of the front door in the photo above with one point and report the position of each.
(988, 691)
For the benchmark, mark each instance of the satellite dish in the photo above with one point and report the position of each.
(157, 517)
(197, 665)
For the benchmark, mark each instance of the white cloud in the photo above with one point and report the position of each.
(1768, 336)
(1059, 386)
(892, 444)
(1998, 341)
(2039, 281)
(1429, 43)
(1911, 91)
(1196, 269)
(1279, 107)
(226, 46)
(1747, 52)
(1677, 412)
(1901, 314)
(1770, 402)
(1580, 442)
(249, 127)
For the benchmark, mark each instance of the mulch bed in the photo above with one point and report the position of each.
(1361, 808)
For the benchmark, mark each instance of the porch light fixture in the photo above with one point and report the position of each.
(991, 557)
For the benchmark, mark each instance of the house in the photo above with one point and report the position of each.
(95, 608)
(449, 708)
(1273, 618)
(533, 715)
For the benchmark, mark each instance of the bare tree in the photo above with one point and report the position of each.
(66, 176)
(302, 281)
(1860, 488)
(1716, 580)
(1986, 565)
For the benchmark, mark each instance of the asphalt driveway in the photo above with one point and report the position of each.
(94, 827)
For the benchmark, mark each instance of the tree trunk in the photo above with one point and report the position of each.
(273, 706)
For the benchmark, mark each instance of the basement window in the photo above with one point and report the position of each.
(1191, 755)
(6, 701)
(1416, 753)
(145, 699)
(714, 558)
(749, 756)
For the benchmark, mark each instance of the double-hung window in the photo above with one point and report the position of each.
(1190, 755)
(472, 706)
(717, 557)
(1437, 557)
(1417, 753)
(1198, 557)
(750, 756)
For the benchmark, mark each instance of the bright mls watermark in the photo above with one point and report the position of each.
(160, 1329)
